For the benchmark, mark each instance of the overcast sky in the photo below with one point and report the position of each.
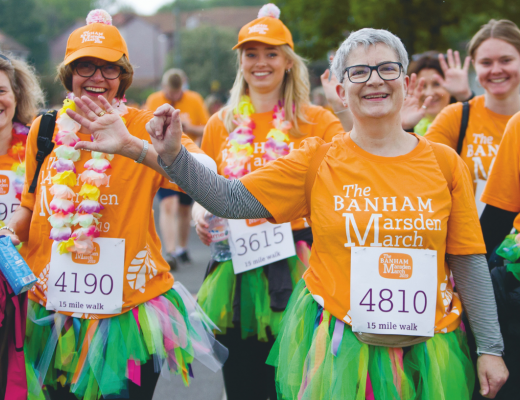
(145, 7)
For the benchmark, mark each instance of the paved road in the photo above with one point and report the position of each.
(207, 385)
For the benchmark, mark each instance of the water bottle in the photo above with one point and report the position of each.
(219, 229)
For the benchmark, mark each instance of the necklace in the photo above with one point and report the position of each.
(65, 215)
(17, 153)
(240, 141)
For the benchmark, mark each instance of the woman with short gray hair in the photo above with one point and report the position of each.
(375, 315)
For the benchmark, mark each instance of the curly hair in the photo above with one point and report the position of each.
(65, 72)
(26, 88)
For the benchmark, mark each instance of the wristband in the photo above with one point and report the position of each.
(143, 152)
(9, 229)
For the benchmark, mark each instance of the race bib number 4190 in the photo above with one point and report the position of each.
(90, 284)
(393, 291)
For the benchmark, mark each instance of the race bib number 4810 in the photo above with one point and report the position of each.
(90, 284)
(393, 291)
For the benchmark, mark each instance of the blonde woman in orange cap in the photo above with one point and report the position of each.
(105, 316)
(269, 113)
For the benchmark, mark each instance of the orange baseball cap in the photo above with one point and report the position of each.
(99, 38)
(267, 28)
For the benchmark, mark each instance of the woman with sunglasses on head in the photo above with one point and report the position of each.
(105, 316)
(269, 113)
(495, 54)
(20, 99)
(393, 214)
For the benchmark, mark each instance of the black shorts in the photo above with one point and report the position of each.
(184, 199)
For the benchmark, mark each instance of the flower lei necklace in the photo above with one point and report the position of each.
(240, 148)
(86, 216)
(17, 152)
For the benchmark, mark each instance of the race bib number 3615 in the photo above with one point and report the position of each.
(393, 291)
(90, 284)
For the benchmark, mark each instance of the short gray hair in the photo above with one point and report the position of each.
(367, 37)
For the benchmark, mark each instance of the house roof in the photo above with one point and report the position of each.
(231, 17)
(7, 43)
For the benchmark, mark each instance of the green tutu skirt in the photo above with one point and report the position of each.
(216, 297)
(99, 357)
(317, 356)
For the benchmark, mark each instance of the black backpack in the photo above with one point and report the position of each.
(463, 125)
(44, 143)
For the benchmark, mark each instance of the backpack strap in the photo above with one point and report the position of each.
(313, 170)
(463, 125)
(440, 154)
(44, 143)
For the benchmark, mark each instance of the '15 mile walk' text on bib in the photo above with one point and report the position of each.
(393, 291)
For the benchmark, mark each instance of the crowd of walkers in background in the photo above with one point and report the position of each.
(381, 209)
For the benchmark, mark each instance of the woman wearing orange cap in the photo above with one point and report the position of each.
(375, 316)
(269, 114)
(104, 305)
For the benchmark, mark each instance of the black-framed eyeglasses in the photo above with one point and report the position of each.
(387, 71)
(6, 59)
(87, 69)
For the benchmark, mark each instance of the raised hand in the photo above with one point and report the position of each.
(413, 111)
(165, 130)
(329, 83)
(109, 131)
(455, 79)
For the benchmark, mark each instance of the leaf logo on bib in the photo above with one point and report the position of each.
(42, 280)
(141, 270)
(395, 266)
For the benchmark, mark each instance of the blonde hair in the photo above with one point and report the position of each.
(295, 90)
(65, 72)
(503, 29)
(26, 88)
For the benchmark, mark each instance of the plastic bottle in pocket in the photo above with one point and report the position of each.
(219, 229)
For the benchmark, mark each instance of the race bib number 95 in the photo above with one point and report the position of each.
(393, 291)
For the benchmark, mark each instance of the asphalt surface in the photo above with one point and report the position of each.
(207, 385)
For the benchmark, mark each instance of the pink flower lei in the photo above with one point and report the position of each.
(240, 141)
(65, 214)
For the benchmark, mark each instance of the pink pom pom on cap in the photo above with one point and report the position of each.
(99, 16)
(269, 10)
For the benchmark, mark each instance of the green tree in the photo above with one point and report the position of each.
(188, 5)
(421, 24)
(206, 57)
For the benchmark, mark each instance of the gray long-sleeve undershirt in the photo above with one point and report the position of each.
(230, 199)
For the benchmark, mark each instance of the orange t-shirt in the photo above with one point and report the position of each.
(483, 136)
(127, 214)
(191, 105)
(361, 199)
(322, 124)
(7, 208)
(503, 187)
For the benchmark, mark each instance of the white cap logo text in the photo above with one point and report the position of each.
(92, 37)
(259, 28)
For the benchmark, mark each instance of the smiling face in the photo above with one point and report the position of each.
(497, 64)
(440, 96)
(96, 84)
(7, 101)
(263, 66)
(375, 98)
